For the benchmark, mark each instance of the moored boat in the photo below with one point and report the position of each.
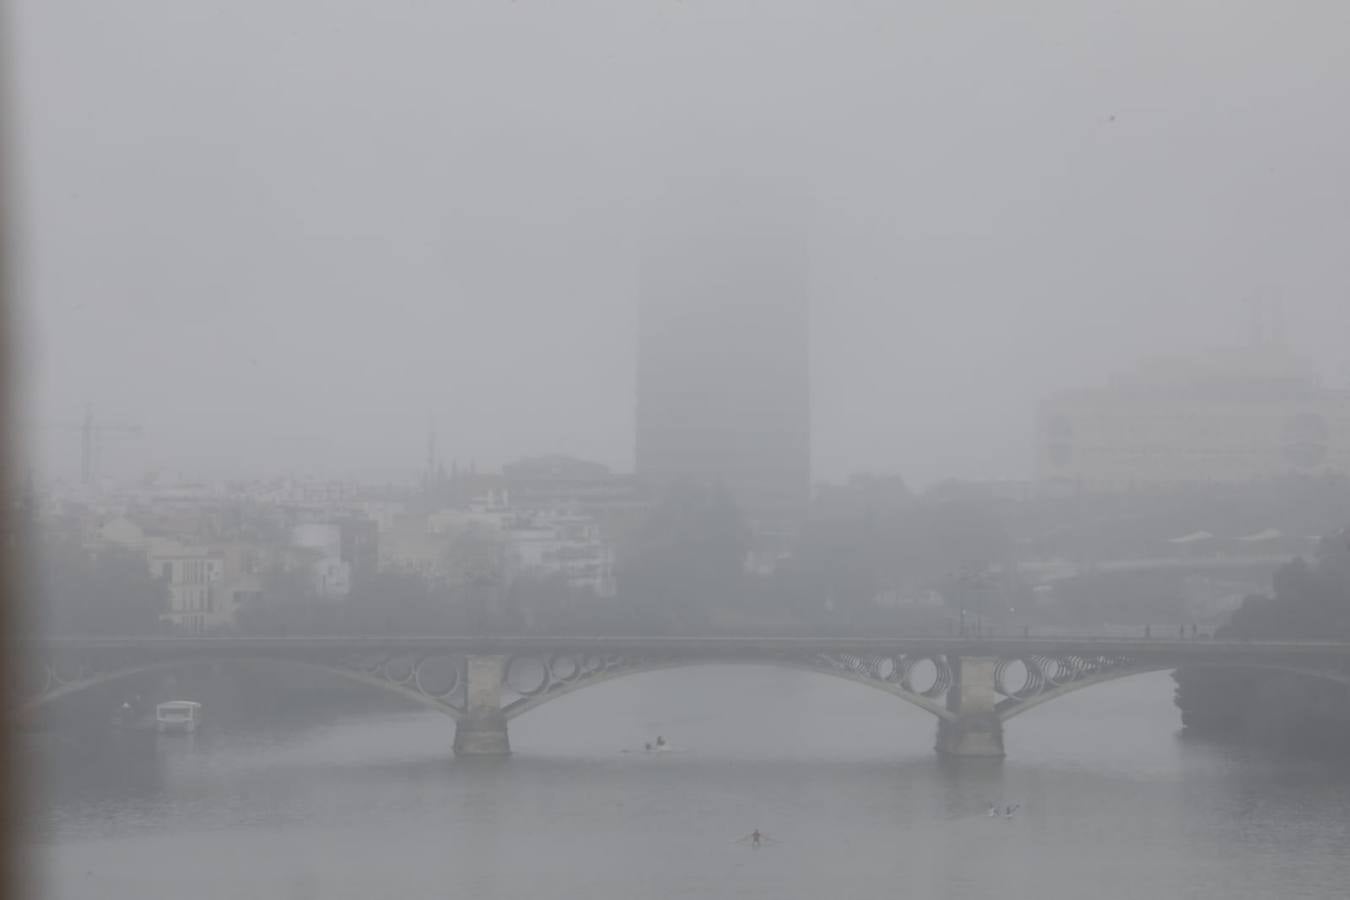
(178, 715)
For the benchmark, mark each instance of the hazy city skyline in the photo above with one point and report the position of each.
(440, 214)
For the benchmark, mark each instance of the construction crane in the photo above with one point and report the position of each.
(92, 432)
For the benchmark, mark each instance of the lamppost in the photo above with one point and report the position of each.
(973, 578)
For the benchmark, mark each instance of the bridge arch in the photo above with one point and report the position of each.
(56, 689)
(897, 686)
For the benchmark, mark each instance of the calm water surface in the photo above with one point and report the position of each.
(364, 803)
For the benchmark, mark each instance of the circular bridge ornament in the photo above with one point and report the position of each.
(527, 675)
(1024, 672)
(437, 676)
(927, 676)
(564, 668)
(399, 670)
(1057, 670)
(886, 668)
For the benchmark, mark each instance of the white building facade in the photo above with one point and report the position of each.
(192, 575)
(330, 576)
(1238, 416)
(569, 545)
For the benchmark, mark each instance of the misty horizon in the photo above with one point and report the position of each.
(442, 215)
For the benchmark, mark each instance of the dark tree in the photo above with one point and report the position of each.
(105, 591)
(1309, 601)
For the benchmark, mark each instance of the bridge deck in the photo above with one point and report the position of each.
(698, 645)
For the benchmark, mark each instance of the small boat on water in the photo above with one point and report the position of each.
(178, 715)
(124, 716)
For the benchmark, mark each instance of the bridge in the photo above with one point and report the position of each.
(971, 686)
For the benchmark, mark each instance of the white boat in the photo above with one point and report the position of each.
(178, 715)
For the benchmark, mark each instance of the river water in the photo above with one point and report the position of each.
(364, 801)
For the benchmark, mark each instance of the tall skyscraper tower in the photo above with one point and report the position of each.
(723, 385)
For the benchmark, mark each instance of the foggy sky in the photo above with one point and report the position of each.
(300, 228)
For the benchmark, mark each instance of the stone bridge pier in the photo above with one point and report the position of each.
(480, 730)
(975, 727)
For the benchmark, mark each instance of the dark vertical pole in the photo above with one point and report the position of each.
(11, 794)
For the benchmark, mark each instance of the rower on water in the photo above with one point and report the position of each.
(755, 838)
